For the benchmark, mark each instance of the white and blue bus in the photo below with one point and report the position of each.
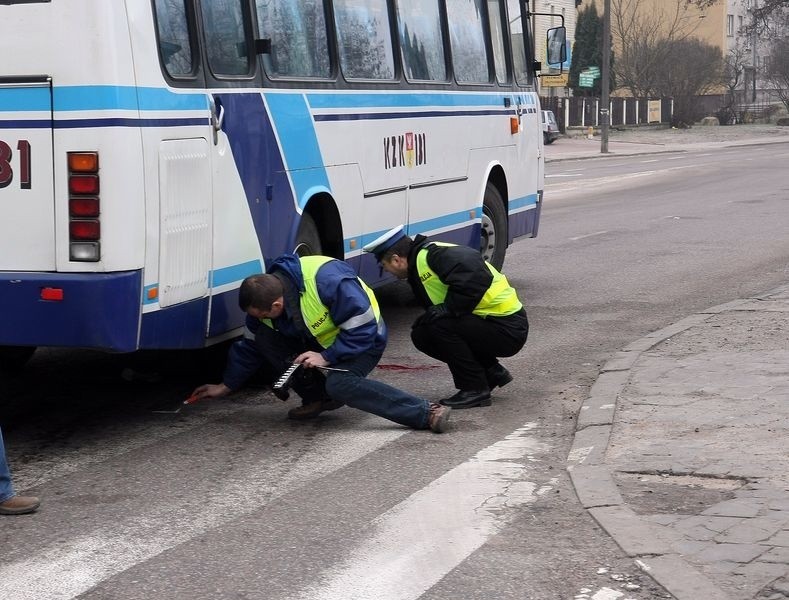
(153, 153)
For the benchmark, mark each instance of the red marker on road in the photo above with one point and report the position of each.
(191, 399)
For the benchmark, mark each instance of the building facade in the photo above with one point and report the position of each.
(552, 82)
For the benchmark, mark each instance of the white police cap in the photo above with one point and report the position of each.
(382, 243)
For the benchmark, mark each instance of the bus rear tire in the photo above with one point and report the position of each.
(13, 358)
(493, 238)
(308, 238)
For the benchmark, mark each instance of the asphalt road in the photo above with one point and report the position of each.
(230, 500)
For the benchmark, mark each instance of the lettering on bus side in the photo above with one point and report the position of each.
(7, 173)
(406, 150)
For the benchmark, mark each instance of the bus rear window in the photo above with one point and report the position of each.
(175, 46)
(299, 40)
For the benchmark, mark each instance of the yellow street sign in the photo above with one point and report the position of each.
(554, 80)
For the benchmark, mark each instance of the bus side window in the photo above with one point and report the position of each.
(518, 40)
(421, 40)
(467, 37)
(226, 46)
(364, 39)
(299, 39)
(497, 37)
(175, 47)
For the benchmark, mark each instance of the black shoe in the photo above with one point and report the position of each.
(497, 376)
(468, 399)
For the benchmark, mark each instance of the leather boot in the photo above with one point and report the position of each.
(497, 376)
(19, 505)
(313, 409)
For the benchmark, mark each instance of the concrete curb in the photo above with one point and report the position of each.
(594, 482)
(669, 150)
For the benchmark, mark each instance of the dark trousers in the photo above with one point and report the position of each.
(352, 387)
(470, 344)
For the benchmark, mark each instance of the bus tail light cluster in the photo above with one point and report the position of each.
(83, 207)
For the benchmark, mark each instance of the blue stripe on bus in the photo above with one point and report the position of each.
(442, 222)
(235, 273)
(391, 100)
(411, 115)
(218, 277)
(90, 123)
(296, 134)
(27, 124)
(98, 97)
(95, 123)
(112, 97)
(517, 203)
(25, 99)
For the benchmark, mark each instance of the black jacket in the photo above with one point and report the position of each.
(461, 268)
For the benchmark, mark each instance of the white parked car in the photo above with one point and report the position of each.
(550, 129)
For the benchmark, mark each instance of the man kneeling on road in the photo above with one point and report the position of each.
(315, 311)
(472, 314)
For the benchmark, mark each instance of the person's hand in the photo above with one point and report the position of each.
(433, 313)
(209, 391)
(312, 359)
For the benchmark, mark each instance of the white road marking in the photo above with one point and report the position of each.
(564, 175)
(416, 543)
(62, 572)
(588, 235)
(649, 161)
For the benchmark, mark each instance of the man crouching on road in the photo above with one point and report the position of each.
(472, 314)
(315, 311)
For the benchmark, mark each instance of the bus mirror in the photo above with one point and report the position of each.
(557, 46)
(263, 46)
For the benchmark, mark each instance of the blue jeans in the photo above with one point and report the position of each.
(375, 397)
(352, 388)
(6, 489)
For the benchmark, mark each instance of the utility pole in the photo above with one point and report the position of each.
(605, 78)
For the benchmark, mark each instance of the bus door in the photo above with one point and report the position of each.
(178, 139)
(27, 224)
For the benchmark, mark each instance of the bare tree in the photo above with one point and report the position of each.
(761, 13)
(693, 68)
(643, 33)
(734, 64)
(777, 69)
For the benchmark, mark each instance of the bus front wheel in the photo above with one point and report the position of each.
(493, 241)
(308, 238)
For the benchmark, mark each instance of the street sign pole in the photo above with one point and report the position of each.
(605, 78)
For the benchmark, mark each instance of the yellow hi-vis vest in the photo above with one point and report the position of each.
(316, 314)
(499, 301)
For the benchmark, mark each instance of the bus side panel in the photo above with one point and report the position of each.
(176, 327)
(260, 167)
(97, 310)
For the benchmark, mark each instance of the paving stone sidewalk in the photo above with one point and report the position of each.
(682, 452)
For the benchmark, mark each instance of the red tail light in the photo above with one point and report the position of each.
(83, 205)
(83, 184)
(85, 230)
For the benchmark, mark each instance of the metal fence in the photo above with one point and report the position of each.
(585, 111)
